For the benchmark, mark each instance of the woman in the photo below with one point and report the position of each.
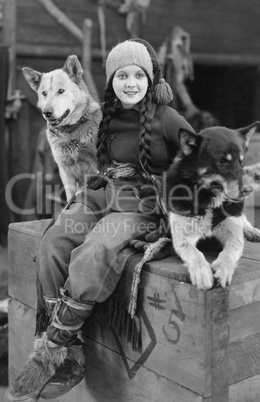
(81, 257)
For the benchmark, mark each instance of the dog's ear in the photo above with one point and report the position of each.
(247, 132)
(32, 77)
(189, 141)
(73, 68)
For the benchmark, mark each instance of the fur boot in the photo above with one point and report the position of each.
(49, 372)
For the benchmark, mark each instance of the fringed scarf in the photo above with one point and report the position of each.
(42, 313)
(121, 309)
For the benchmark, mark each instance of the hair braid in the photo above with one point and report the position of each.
(145, 131)
(103, 158)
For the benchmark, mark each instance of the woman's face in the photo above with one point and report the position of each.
(130, 85)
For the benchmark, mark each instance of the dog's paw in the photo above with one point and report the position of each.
(201, 275)
(252, 234)
(223, 272)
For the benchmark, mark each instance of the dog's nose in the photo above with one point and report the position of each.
(216, 185)
(247, 190)
(47, 114)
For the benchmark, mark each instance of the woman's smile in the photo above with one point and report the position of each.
(130, 85)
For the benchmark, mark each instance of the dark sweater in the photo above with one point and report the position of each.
(124, 132)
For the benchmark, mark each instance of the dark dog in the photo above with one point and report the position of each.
(205, 197)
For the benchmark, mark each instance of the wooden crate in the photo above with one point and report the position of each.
(197, 346)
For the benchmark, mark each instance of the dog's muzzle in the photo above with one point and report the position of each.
(246, 191)
(55, 122)
(216, 185)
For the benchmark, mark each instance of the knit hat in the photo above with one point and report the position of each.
(127, 53)
(141, 53)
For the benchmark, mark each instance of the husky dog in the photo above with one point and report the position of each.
(73, 119)
(205, 196)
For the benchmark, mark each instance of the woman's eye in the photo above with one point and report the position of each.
(121, 76)
(60, 91)
(140, 75)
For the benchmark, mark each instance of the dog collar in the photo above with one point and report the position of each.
(69, 129)
(83, 119)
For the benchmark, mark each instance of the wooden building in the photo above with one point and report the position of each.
(225, 50)
(197, 346)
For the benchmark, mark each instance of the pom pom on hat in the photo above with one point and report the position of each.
(162, 90)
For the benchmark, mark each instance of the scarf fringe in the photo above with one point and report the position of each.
(150, 253)
(42, 316)
(120, 320)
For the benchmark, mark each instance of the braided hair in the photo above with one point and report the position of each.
(158, 91)
(103, 157)
(145, 131)
(110, 99)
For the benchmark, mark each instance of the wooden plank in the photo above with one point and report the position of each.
(4, 152)
(21, 336)
(244, 358)
(20, 160)
(245, 288)
(105, 378)
(58, 51)
(222, 33)
(32, 228)
(222, 27)
(43, 35)
(219, 59)
(146, 385)
(86, 58)
(247, 390)
(252, 250)
(22, 274)
(217, 310)
(30, 49)
(247, 268)
(173, 323)
(36, 25)
(246, 292)
(244, 322)
(9, 39)
(62, 19)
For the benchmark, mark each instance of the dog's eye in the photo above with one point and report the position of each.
(44, 93)
(222, 161)
(60, 91)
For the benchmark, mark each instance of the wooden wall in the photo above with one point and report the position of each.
(226, 27)
(224, 44)
(223, 33)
